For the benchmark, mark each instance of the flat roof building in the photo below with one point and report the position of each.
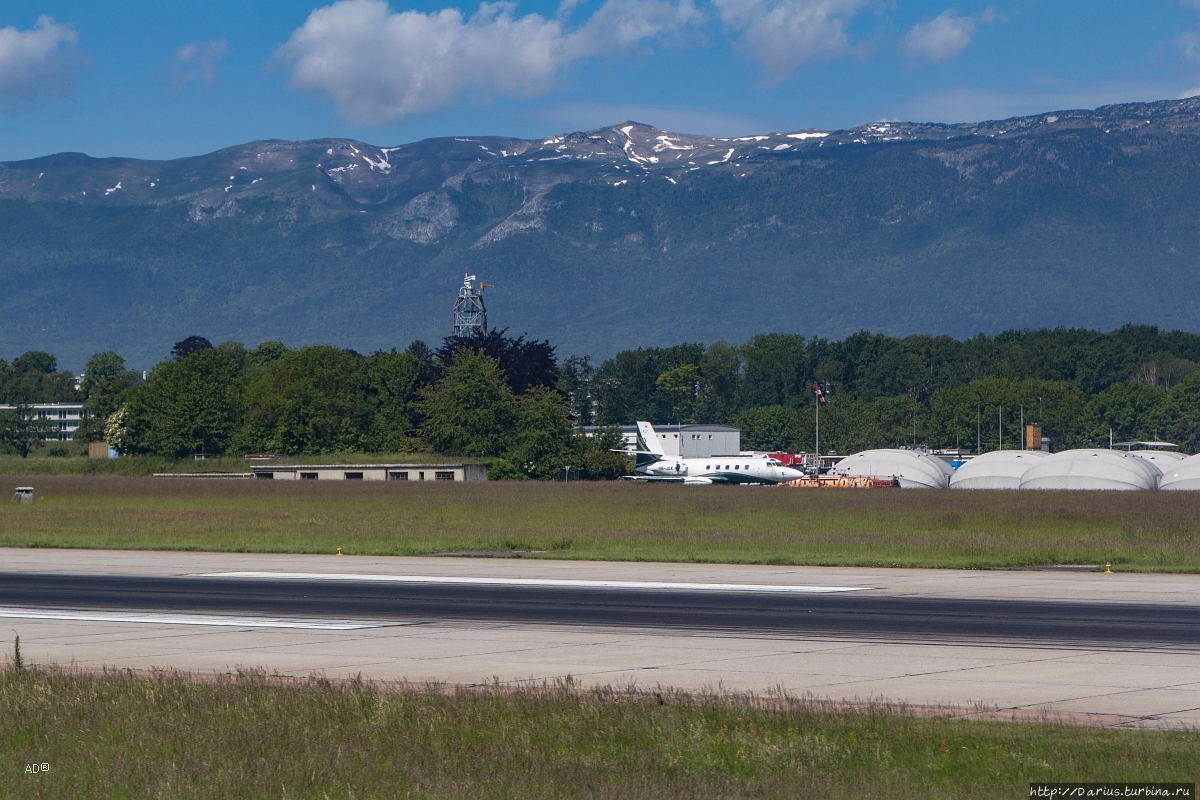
(372, 472)
(65, 417)
(689, 441)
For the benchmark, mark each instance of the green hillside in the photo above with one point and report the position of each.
(623, 237)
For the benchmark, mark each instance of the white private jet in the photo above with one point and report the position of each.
(653, 464)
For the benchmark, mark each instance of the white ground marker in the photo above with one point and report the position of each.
(164, 618)
(536, 582)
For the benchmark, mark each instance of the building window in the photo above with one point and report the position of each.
(266, 476)
(308, 476)
(354, 476)
(443, 476)
(398, 476)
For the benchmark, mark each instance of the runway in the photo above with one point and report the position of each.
(1117, 649)
(731, 608)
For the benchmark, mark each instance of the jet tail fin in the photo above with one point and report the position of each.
(648, 440)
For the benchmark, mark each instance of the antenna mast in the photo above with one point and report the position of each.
(470, 314)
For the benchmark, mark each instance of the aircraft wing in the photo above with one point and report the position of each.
(654, 478)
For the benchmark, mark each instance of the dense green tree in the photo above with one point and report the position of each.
(776, 429)
(681, 385)
(626, 385)
(471, 411)
(35, 378)
(192, 405)
(265, 353)
(720, 373)
(601, 462)
(964, 414)
(393, 382)
(1131, 412)
(543, 441)
(106, 382)
(21, 430)
(774, 371)
(308, 401)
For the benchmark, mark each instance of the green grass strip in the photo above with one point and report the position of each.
(1145, 531)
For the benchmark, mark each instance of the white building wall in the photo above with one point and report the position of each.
(64, 416)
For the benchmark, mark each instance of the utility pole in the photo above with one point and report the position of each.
(1022, 426)
(978, 430)
(1001, 427)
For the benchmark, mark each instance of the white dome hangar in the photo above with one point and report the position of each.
(913, 469)
(1182, 476)
(999, 469)
(1110, 470)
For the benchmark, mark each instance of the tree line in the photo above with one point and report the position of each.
(1136, 382)
(509, 400)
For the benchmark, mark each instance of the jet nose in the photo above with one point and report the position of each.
(791, 474)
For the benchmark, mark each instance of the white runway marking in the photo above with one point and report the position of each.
(193, 619)
(536, 582)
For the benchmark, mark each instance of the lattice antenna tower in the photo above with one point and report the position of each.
(470, 314)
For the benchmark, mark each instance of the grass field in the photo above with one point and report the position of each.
(620, 521)
(165, 735)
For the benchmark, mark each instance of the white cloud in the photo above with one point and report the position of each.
(942, 37)
(198, 62)
(782, 34)
(35, 61)
(1190, 43)
(378, 65)
(1195, 92)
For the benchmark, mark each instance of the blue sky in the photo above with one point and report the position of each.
(166, 79)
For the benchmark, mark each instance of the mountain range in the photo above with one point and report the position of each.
(614, 238)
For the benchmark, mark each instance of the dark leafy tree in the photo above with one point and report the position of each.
(36, 361)
(524, 364)
(192, 344)
(420, 351)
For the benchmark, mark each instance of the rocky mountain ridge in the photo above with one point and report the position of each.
(1084, 218)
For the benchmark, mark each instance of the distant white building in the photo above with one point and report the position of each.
(65, 416)
(699, 441)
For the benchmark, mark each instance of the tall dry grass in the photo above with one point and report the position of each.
(172, 736)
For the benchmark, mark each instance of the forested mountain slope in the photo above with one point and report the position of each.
(621, 237)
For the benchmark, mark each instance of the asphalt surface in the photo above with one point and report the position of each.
(858, 614)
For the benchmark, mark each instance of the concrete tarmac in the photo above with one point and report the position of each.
(1124, 682)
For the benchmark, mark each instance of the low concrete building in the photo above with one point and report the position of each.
(372, 472)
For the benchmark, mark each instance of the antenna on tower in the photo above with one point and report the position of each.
(470, 314)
